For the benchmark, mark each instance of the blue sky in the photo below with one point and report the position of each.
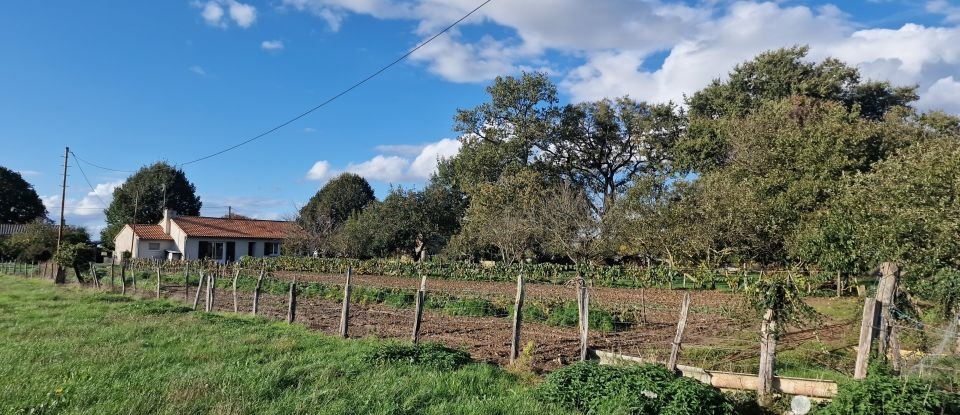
(128, 83)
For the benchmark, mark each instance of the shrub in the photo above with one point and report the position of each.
(884, 392)
(433, 355)
(643, 389)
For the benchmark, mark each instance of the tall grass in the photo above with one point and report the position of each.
(68, 351)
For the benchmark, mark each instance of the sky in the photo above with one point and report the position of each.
(126, 84)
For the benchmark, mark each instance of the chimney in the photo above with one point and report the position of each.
(168, 214)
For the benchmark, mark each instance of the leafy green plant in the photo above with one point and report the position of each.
(434, 355)
(644, 389)
(780, 293)
(883, 392)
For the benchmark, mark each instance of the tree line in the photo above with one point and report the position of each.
(786, 163)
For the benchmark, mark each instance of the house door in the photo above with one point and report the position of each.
(231, 251)
(219, 251)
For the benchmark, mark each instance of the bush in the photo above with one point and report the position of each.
(432, 355)
(884, 392)
(644, 389)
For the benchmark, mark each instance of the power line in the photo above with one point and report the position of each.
(84, 174)
(341, 93)
(98, 166)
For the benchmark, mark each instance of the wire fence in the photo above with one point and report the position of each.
(720, 333)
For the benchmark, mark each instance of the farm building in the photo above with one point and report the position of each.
(197, 237)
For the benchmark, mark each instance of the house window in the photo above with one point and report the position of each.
(154, 246)
(271, 248)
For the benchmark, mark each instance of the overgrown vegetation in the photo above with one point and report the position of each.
(885, 392)
(648, 389)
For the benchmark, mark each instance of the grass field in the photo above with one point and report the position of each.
(65, 350)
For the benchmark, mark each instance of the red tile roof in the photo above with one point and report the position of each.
(151, 232)
(198, 226)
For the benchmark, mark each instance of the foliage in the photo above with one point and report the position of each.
(150, 190)
(773, 76)
(884, 392)
(780, 293)
(649, 389)
(601, 146)
(432, 355)
(38, 242)
(75, 255)
(944, 288)
(341, 198)
(19, 202)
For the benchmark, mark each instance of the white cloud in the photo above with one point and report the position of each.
(951, 13)
(616, 45)
(212, 13)
(400, 163)
(942, 95)
(381, 168)
(242, 14)
(320, 171)
(271, 45)
(94, 201)
(197, 70)
(29, 173)
(215, 13)
(309, 130)
(425, 164)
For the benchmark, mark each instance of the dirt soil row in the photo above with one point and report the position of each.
(717, 319)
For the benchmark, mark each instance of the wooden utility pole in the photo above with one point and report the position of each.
(61, 277)
(678, 337)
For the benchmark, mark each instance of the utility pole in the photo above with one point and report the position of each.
(61, 273)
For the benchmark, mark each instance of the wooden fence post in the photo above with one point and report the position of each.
(133, 278)
(868, 331)
(112, 263)
(212, 286)
(583, 308)
(768, 346)
(256, 290)
(345, 313)
(158, 280)
(292, 302)
(236, 303)
(123, 278)
(886, 292)
(186, 281)
(517, 321)
(678, 337)
(196, 300)
(418, 309)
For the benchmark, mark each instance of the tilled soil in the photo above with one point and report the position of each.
(716, 319)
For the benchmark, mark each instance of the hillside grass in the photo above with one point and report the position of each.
(66, 351)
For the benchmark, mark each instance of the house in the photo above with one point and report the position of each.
(197, 237)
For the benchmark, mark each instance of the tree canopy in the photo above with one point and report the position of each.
(150, 190)
(19, 203)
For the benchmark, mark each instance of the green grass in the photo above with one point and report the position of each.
(68, 351)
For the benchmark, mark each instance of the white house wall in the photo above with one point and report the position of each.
(121, 242)
(144, 251)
